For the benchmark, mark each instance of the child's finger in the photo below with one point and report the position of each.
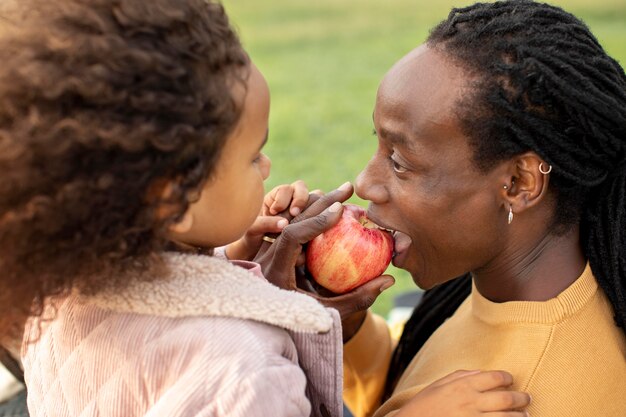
(281, 197)
(488, 380)
(300, 197)
(267, 224)
(502, 401)
(294, 197)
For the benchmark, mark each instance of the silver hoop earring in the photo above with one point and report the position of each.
(549, 170)
(510, 213)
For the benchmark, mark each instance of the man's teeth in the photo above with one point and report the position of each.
(388, 230)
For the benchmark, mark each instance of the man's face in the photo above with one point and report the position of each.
(422, 181)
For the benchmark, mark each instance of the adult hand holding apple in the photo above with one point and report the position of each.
(278, 260)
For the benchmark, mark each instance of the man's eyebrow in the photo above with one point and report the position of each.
(395, 138)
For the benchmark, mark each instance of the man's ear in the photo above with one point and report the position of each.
(527, 185)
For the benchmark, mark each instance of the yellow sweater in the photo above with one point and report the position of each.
(566, 352)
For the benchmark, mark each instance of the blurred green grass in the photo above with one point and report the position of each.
(323, 60)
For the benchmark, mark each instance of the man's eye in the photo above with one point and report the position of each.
(396, 166)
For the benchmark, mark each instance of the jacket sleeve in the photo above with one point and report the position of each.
(365, 364)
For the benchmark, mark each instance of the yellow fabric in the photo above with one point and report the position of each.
(366, 360)
(396, 329)
(566, 352)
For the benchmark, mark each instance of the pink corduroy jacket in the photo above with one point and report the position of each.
(209, 339)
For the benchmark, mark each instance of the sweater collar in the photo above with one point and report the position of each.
(547, 312)
(199, 285)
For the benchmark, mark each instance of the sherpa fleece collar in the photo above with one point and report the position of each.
(199, 285)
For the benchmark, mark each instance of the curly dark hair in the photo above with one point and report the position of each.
(545, 84)
(101, 103)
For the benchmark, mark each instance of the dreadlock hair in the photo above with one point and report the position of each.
(545, 85)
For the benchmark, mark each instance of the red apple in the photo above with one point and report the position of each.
(349, 254)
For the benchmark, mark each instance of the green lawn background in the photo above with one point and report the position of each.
(323, 60)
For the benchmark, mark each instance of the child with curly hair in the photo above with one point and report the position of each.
(130, 145)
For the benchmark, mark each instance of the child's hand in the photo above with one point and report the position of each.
(294, 196)
(468, 393)
(279, 206)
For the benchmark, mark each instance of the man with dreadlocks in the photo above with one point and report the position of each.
(502, 145)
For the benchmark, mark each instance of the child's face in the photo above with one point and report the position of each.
(231, 199)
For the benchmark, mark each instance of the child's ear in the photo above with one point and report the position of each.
(161, 190)
(184, 225)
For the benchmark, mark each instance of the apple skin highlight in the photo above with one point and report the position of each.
(351, 253)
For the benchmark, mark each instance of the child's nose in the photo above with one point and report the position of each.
(266, 165)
